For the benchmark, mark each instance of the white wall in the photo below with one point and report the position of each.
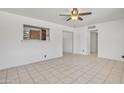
(67, 41)
(16, 51)
(110, 39)
(93, 42)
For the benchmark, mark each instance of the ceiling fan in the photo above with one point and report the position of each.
(75, 15)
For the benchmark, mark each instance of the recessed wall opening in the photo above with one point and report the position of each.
(67, 42)
(93, 43)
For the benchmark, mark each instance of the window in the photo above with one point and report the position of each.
(35, 33)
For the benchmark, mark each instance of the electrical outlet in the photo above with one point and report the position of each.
(122, 56)
(45, 56)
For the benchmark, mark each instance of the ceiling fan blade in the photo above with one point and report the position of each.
(81, 19)
(86, 13)
(68, 19)
(64, 15)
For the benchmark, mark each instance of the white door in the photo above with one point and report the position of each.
(93, 42)
(67, 42)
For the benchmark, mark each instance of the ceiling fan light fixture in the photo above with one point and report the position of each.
(74, 17)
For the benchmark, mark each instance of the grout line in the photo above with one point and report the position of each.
(55, 75)
(18, 75)
(97, 72)
(29, 74)
(86, 71)
(109, 72)
(40, 73)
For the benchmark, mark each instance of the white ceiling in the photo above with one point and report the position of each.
(52, 15)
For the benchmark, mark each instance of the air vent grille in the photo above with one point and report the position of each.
(92, 27)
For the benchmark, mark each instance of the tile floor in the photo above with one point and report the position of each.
(69, 69)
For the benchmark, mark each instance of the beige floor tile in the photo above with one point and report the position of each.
(40, 80)
(52, 79)
(3, 76)
(27, 81)
(13, 81)
(67, 80)
(97, 80)
(69, 69)
(81, 80)
(58, 82)
(59, 75)
(75, 75)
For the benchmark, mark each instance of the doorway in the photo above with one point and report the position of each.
(67, 42)
(94, 43)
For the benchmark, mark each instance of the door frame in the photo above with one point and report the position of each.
(88, 41)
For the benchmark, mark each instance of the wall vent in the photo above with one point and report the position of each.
(92, 27)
